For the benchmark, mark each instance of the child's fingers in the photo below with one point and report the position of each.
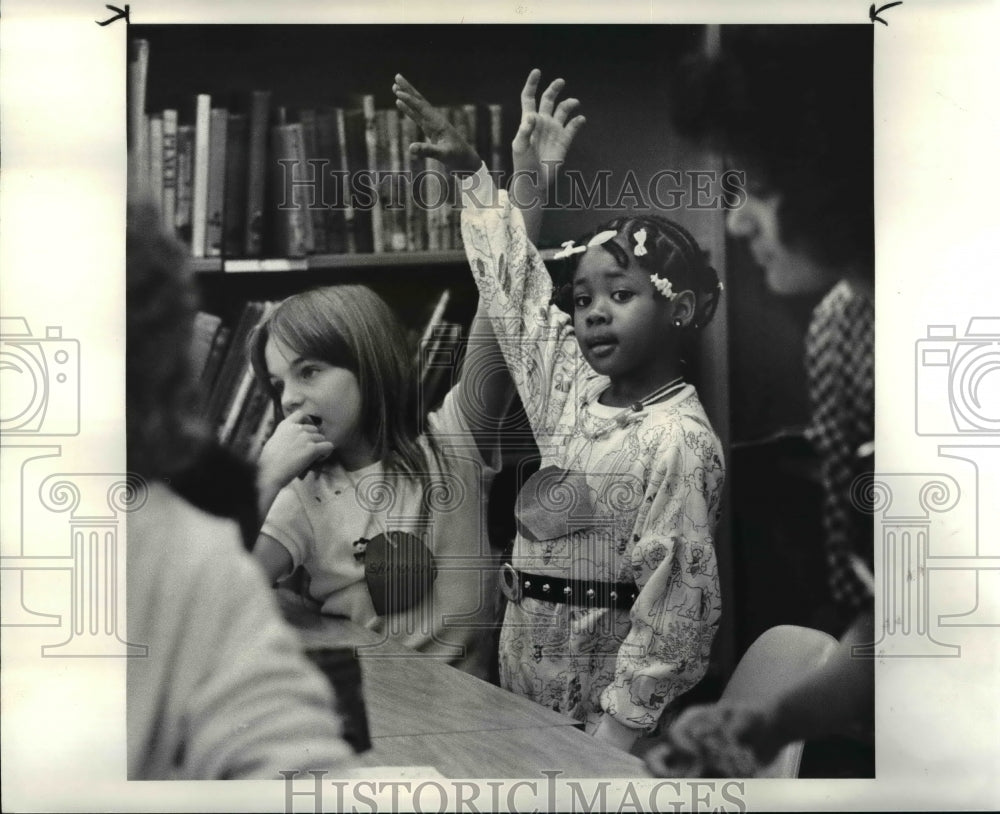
(573, 127)
(566, 106)
(417, 109)
(529, 91)
(424, 149)
(322, 450)
(522, 138)
(298, 416)
(411, 113)
(549, 97)
(408, 88)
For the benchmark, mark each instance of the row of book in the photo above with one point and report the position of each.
(251, 178)
(240, 410)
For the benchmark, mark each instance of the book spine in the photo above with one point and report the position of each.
(213, 364)
(371, 164)
(360, 187)
(203, 334)
(294, 236)
(257, 402)
(138, 132)
(347, 191)
(411, 215)
(233, 366)
(464, 119)
(156, 160)
(199, 195)
(185, 181)
(234, 209)
(218, 122)
(433, 192)
(256, 184)
(327, 147)
(236, 405)
(496, 147)
(314, 169)
(169, 169)
(393, 189)
(436, 316)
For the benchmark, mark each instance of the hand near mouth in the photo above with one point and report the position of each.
(296, 445)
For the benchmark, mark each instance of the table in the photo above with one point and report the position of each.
(423, 712)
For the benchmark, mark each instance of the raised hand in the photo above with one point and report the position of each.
(546, 132)
(443, 141)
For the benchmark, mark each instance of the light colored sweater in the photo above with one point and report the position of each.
(225, 691)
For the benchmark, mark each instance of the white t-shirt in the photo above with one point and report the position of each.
(323, 518)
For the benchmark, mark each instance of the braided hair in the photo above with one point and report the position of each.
(671, 252)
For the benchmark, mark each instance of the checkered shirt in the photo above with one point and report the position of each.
(841, 379)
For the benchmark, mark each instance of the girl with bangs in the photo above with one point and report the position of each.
(388, 524)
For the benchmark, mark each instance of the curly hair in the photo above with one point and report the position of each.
(671, 253)
(162, 432)
(792, 106)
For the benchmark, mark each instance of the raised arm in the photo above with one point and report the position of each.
(485, 388)
(539, 148)
(515, 288)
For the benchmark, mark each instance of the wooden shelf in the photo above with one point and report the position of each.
(213, 265)
(326, 261)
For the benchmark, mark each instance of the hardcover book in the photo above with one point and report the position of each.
(218, 123)
(257, 143)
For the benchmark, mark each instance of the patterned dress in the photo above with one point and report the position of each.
(620, 497)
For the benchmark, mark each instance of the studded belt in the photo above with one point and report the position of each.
(517, 584)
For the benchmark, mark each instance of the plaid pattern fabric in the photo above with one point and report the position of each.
(841, 379)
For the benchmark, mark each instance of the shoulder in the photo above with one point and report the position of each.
(682, 414)
(175, 547)
(845, 300)
(683, 424)
(167, 520)
(450, 431)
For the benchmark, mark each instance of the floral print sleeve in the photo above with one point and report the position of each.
(673, 562)
(535, 337)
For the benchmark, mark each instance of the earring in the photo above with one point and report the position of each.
(678, 323)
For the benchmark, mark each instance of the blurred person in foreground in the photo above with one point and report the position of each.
(224, 690)
(787, 105)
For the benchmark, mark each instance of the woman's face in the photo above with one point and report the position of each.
(787, 271)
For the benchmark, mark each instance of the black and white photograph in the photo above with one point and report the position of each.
(509, 409)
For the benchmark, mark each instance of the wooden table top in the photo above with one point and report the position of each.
(424, 712)
(521, 753)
